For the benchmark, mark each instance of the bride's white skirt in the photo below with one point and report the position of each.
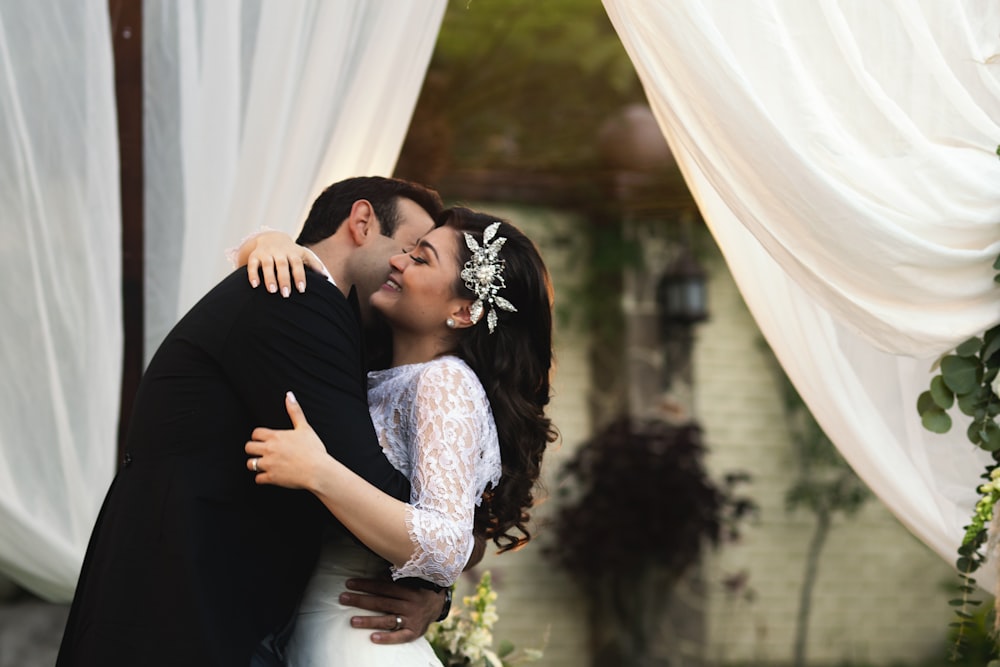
(323, 636)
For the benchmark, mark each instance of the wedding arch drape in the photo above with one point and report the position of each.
(60, 276)
(841, 151)
(843, 155)
(251, 107)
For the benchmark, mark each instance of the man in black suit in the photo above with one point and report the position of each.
(191, 562)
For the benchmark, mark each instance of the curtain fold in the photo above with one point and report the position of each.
(843, 155)
(253, 107)
(60, 274)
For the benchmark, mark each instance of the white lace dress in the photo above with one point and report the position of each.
(435, 425)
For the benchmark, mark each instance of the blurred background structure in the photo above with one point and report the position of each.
(534, 111)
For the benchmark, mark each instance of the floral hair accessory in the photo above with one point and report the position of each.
(483, 275)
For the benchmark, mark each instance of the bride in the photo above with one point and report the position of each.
(460, 412)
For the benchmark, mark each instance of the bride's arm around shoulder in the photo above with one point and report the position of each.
(274, 258)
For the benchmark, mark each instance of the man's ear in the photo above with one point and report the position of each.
(463, 314)
(361, 222)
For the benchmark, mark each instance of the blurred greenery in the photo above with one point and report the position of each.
(978, 641)
(518, 84)
(824, 485)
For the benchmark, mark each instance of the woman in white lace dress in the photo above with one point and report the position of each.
(460, 412)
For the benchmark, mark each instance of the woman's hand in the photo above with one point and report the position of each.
(297, 459)
(276, 256)
(289, 458)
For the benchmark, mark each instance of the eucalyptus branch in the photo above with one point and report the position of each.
(969, 378)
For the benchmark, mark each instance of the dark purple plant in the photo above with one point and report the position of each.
(637, 494)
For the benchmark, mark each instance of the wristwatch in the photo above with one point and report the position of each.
(446, 609)
(431, 586)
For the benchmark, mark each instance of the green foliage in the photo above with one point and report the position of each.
(968, 378)
(526, 84)
(975, 637)
(965, 379)
(602, 253)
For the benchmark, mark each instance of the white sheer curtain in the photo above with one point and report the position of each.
(842, 153)
(252, 108)
(60, 275)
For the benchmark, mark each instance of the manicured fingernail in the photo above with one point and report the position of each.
(291, 397)
(301, 285)
(285, 291)
(272, 288)
(254, 282)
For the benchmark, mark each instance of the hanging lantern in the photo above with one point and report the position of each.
(681, 294)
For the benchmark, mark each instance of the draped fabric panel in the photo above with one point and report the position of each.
(843, 155)
(60, 275)
(253, 107)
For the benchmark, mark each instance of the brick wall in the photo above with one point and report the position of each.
(881, 594)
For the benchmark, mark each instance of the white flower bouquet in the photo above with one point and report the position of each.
(465, 638)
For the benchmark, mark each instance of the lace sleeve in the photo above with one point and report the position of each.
(455, 453)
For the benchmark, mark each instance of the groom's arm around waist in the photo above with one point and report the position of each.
(310, 343)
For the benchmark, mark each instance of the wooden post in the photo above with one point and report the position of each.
(126, 35)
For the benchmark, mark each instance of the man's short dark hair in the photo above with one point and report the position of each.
(334, 205)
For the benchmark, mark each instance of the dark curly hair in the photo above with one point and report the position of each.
(513, 363)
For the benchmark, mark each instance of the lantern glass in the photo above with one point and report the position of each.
(682, 294)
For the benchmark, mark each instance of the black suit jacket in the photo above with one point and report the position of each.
(190, 562)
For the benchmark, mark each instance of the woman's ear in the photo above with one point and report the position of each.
(463, 314)
(361, 222)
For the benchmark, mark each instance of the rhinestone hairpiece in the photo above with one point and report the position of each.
(483, 275)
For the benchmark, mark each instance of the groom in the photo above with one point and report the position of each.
(191, 562)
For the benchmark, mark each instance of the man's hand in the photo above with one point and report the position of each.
(416, 609)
